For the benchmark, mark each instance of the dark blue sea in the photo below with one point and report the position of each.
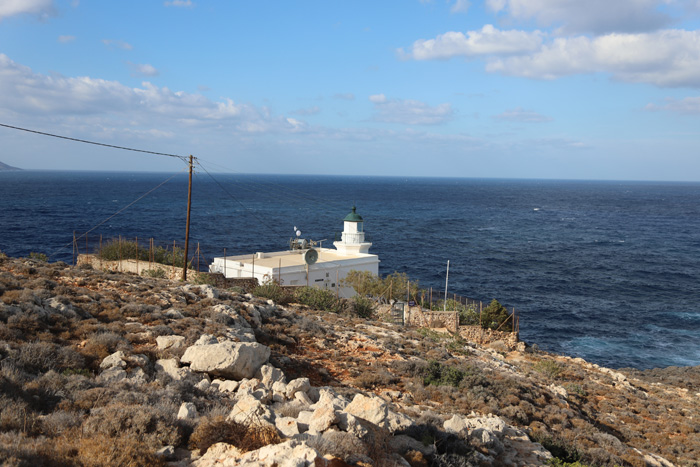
(607, 271)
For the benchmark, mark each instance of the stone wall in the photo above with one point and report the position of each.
(246, 283)
(130, 265)
(415, 316)
(483, 336)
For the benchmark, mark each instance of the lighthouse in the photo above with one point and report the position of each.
(353, 239)
(294, 268)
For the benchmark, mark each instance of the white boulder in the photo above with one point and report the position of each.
(235, 360)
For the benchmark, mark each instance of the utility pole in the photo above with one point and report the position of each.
(187, 229)
(447, 276)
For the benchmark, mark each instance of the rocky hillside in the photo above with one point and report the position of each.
(7, 167)
(100, 368)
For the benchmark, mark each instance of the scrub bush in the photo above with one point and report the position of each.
(495, 315)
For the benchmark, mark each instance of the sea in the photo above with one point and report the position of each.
(603, 270)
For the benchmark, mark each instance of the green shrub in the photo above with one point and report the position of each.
(273, 291)
(156, 273)
(363, 307)
(203, 278)
(394, 286)
(38, 257)
(495, 315)
(116, 249)
(438, 374)
(548, 368)
(319, 299)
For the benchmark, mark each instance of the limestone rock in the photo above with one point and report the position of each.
(138, 376)
(167, 452)
(170, 342)
(456, 425)
(269, 375)
(375, 410)
(114, 360)
(484, 438)
(187, 411)
(225, 385)
(111, 375)
(171, 368)
(295, 385)
(235, 360)
(291, 453)
(205, 339)
(490, 422)
(328, 396)
(279, 389)
(217, 454)
(350, 423)
(322, 419)
(287, 426)
(250, 410)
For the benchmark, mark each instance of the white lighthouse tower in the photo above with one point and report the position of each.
(353, 238)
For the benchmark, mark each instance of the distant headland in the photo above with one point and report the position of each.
(7, 168)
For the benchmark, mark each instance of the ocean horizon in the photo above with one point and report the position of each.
(603, 270)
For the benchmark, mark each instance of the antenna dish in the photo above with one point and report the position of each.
(298, 233)
(311, 256)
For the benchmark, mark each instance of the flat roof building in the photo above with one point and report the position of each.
(304, 266)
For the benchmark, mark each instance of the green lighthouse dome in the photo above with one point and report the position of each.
(353, 216)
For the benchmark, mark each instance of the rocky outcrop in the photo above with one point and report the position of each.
(234, 360)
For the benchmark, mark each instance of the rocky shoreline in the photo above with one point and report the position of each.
(103, 368)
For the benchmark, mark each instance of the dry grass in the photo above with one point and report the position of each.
(246, 438)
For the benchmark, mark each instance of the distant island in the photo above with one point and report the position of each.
(7, 167)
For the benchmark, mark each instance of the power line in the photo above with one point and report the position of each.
(289, 192)
(182, 158)
(118, 212)
(273, 230)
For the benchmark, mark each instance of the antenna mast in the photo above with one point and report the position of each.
(187, 229)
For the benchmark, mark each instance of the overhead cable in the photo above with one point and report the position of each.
(275, 231)
(183, 158)
(118, 212)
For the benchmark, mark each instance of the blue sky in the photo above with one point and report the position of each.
(495, 88)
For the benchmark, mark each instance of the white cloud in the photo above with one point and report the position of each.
(66, 39)
(460, 6)
(596, 16)
(487, 41)
(38, 96)
(180, 3)
(409, 112)
(687, 106)
(142, 69)
(117, 43)
(665, 58)
(521, 115)
(40, 8)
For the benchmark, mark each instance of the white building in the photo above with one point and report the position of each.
(298, 267)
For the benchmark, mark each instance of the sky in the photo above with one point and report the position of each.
(562, 89)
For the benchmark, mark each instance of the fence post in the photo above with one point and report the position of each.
(137, 256)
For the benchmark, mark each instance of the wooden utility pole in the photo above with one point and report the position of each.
(187, 229)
